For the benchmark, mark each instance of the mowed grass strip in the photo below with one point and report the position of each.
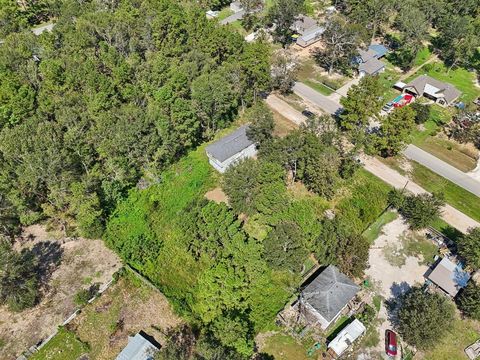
(455, 195)
(374, 230)
(64, 345)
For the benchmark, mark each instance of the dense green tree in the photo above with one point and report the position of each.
(341, 43)
(261, 122)
(129, 88)
(469, 247)
(284, 13)
(424, 317)
(394, 131)
(283, 248)
(458, 40)
(19, 287)
(374, 15)
(422, 112)
(284, 70)
(254, 186)
(468, 300)
(420, 210)
(363, 102)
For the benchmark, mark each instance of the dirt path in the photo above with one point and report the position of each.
(415, 69)
(451, 215)
(69, 266)
(285, 110)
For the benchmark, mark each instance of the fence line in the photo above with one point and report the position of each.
(37, 347)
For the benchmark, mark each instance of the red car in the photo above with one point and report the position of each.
(390, 343)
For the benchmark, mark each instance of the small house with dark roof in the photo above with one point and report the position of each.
(139, 347)
(231, 149)
(326, 296)
(442, 93)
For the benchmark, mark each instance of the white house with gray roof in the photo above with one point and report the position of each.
(138, 348)
(231, 149)
(324, 299)
(442, 93)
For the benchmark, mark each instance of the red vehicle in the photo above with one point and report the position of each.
(390, 343)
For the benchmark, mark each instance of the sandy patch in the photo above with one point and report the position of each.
(66, 267)
(217, 195)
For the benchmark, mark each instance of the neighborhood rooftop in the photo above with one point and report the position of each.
(449, 276)
(138, 348)
(372, 66)
(433, 87)
(329, 292)
(230, 145)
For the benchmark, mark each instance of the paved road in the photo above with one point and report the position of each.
(285, 109)
(317, 99)
(451, 215)
(443, 169)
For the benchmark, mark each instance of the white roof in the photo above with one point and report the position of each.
(431, 90)
(346, 337)
(400, 84)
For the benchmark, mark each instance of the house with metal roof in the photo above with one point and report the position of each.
(346, 337)
(231, 149)
(368, 60)
(441, 92)
(326, 296)
(307, 29)
(138, 348)
(449, 277)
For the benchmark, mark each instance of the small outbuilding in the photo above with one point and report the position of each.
(449, 277)
(139, 348)
(326, 296)
(231, 149)
(346, 337)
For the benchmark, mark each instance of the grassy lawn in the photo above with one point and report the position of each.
(461, 333)
(375, 229)
(387, 79)
(285, 347)
(415, 244)
(321, 88)
(446, 229)
(456, 196)
(338, 326)
(422, 56)
(451, 152)
(282, 125)
(65, 345)
(224, 13)
(457, 155)
(462, 79)
(311, 75)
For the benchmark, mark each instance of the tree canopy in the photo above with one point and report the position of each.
(469, 247)
(424, 317)
(114, 94)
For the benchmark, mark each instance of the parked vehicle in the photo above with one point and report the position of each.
(308, 114)
(390, 343)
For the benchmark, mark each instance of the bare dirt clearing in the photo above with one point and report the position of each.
(66, 266)
(123, 310)
(393, 270)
